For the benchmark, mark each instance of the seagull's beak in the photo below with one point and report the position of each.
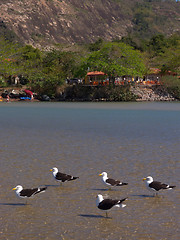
(50, 170)
(144, 179)
(100, 174)
(14, 188)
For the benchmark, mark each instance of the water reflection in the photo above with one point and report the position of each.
(13, 204)
(91, 216)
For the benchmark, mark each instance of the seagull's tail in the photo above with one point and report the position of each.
(123, 205)
(41, 189)
(74, 178)
(122, 200)
(170, 187)
(120, 203)
(122, 183)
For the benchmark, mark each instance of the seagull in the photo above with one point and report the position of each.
(62, 177)
(155, 186)
(107, 204)
(111, 182)
(27, 193)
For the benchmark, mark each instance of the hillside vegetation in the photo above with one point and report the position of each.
(44, 42)
(46, 71)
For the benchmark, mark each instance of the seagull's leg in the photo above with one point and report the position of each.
(106, 214)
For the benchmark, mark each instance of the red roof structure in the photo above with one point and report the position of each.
(96, 78)
(95, 73)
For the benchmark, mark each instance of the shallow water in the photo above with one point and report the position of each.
(128, 140)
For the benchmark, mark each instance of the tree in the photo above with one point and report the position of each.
(158, 44)
(96, 45)
(56, 67)
(61, 62)
(166, 55)
(115, 59)
(8, 58)
(45, 83)
(30, 59)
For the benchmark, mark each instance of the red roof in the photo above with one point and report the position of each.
(95, 73)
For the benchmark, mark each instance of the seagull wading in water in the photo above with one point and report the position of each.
(28, 193)
(62, 177)
(107, 204)
(154, 186)
(111, 182)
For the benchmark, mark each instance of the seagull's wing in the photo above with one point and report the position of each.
(158, 185)
(111, 181)
(28, 192)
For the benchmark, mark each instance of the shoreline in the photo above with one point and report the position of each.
(142, 94)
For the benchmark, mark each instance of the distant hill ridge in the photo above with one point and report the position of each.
(47, 22)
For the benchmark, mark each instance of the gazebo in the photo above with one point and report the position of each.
(96, 78)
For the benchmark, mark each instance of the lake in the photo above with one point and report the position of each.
(129, 141)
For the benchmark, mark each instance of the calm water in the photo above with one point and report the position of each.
(128, 140)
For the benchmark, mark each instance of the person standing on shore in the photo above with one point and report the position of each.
(7, 99)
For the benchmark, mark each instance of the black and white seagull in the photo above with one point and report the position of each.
(107, 204)
(155, 186)
(62, 177)
(27, 193)
(111, 182)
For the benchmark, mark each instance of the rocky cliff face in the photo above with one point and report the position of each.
(153, 93)
(56, 21)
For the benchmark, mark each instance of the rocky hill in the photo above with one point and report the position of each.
(46, 22)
